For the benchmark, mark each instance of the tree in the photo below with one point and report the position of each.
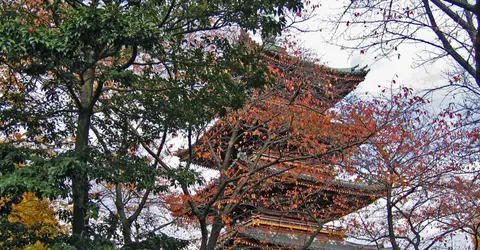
(71, 66)
(462, 203)
(133, 204)
(447, 28)
(422, 165)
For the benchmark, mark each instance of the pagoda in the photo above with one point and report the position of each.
(287, 188)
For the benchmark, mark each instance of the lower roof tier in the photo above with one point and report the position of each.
(274, 238)
(294, 195)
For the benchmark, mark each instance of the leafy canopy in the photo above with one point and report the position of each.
(77, 76)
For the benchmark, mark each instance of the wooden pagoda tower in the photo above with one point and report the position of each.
(268, 216)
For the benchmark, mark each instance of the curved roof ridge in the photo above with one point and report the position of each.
(355, 70)
(352, 71)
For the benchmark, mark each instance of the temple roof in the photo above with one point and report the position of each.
(350, 188)
(273, 48)
(338, 185)
(328, 85)
(284, 240)
(355, 70)
(323, 201)
(330, 198)
(352, 71)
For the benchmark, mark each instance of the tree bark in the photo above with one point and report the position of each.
(391, 231)
(79, 176)
(217, 226)
(203, 228)
(476, 45)
(126, 225)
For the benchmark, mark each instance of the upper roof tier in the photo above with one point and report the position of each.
(352, 71)
(355, 70)
(271, 238)
(295, 79)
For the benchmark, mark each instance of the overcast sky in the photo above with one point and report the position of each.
(381, 72)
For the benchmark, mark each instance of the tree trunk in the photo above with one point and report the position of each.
(203, 227)
(476, 45)
(127, 232)
(217, 226)
(126, 225)
(391, 231)
(79, 174)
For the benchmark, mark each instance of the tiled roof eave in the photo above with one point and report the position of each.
(352, 75)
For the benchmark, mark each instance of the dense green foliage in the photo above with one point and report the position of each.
(85, 83)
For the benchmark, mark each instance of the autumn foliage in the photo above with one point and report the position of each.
(278, 152)
(38, 218)
(425, 162)
(289, 137)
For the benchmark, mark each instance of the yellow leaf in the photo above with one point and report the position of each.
(18, 136)
(37, 215)
(37, 246)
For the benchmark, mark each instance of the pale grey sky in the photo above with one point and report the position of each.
(381, 72)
